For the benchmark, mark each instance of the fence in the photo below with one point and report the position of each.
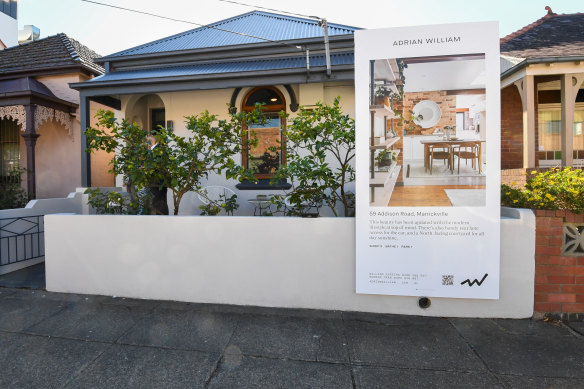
(22, 232)
(21, 239)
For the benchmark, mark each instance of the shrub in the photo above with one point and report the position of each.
(553, 189)
(317, 139)
(12, 195)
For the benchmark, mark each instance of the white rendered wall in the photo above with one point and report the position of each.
(8, 30)
(262, 261)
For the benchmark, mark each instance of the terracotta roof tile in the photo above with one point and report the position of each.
(551, 36)
(56, 51)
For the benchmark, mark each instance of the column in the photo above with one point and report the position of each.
(570, 85)
(526, 88)
(85, 156)
(30, 137)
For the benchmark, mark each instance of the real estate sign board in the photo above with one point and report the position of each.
(428, 161)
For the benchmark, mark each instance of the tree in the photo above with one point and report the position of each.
(319, 150)
(172, 161)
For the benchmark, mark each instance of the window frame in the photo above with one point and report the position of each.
(269, 111)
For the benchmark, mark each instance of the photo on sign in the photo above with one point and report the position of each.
(428, 131)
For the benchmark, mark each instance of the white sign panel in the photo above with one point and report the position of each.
(428, 160)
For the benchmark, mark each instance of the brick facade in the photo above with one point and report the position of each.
(511, 128)
(559, 280)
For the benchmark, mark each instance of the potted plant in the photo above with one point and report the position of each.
(385, 158)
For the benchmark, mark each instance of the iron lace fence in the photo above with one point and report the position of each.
(21, 239)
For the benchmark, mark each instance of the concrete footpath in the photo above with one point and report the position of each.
(54, 340)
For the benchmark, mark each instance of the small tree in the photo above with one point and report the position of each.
(314, 138)
(169, 160)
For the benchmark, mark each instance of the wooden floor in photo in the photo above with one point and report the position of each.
(425, 196)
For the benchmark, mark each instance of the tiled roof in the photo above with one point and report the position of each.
(260, 24)
(298, 62)
(551, 36)
(56, 51)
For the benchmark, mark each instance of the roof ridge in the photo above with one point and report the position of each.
(69, 46)
(219, 23)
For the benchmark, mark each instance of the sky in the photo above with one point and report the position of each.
(108, 30)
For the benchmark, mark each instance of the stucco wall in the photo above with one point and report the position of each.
(58, 152)
(180, 104)
(305, 263)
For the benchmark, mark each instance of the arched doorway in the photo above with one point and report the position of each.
(270, 153)
(148, 112)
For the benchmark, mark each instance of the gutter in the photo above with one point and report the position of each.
(207, 77)
(535, 61)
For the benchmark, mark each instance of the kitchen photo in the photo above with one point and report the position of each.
(428, 131)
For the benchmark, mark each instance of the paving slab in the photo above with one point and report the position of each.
(530, 327)
(382, 378)
(6, 292)
(245, 309)
(29, 277)
(249, 372)
(183, 329)
(392, 320)
(577, 326)
(41, 362)
(301, 338)
(543, 382)
(549, 353)
(16, 314)
(436, 345)
(146, 367)
(88, 320)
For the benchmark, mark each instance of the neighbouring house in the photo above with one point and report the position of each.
(39, 115)
(8, 24)
(542, 95)
(282, 61)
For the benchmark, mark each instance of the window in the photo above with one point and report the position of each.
(157, 116)
(550, 130)
(9, 147)
(266, 156)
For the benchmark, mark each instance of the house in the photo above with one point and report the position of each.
(282, 61)
(542, 95)
(39, 114)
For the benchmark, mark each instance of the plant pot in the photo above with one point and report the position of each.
(385, 162)
(379, 100)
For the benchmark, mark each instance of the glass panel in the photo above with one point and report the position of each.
(265, 97)
(262, 158)
(578, 130)
(549, 131)
(157, 119)
(9, 147)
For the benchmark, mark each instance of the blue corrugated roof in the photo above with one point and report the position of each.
(227, 67)
(261, 24)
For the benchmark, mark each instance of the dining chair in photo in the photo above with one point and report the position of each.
(467, 151)
(440, 152)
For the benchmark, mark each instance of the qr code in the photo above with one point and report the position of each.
(447, 279)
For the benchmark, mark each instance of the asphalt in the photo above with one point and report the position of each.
(55, 340)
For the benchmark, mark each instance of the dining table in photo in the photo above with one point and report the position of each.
(451, 145)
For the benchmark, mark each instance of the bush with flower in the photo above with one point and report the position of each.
(552, 189)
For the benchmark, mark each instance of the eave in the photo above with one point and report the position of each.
(523, 65)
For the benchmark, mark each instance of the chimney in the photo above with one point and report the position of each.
(28, 34)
